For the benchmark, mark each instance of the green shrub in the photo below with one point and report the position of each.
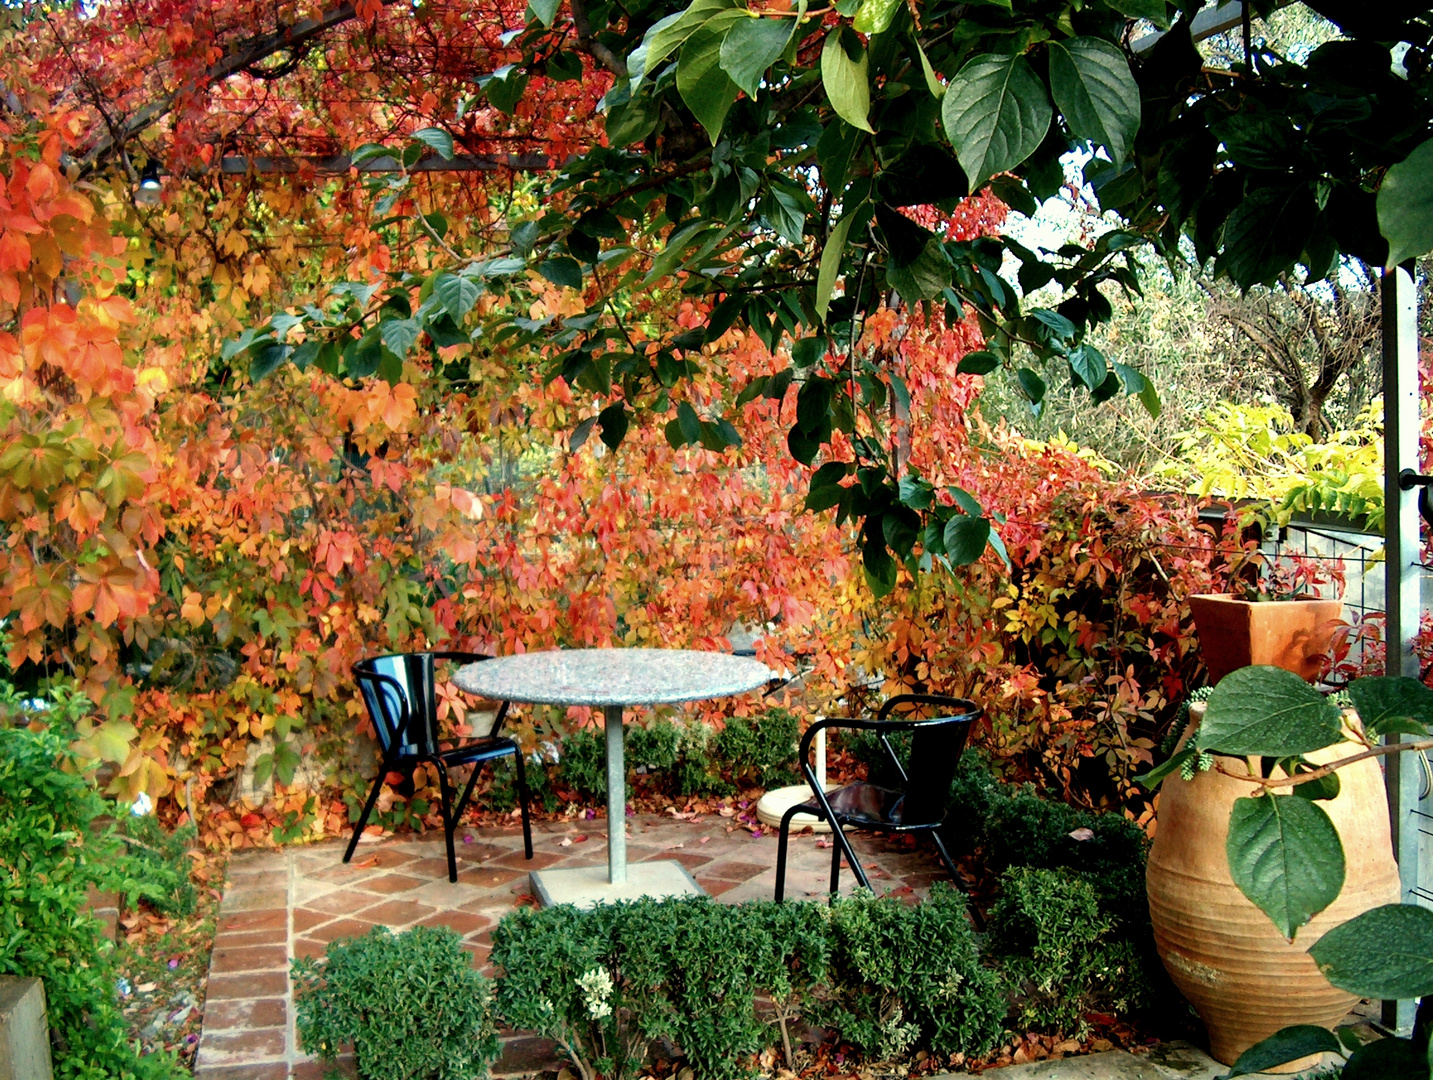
(161, 860)
(584, 763)
(1054, 944)
(760, 751)
(697, 771)
(905, 976)
(502, 790)
(50, 854)
(654, 747)
(411, 1004)
(604, 983)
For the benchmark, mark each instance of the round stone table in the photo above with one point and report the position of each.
(612, 679)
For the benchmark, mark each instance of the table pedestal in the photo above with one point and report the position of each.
(587, 886)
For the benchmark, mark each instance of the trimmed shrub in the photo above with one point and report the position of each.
(760, 750)
(904, 976)
(411, 1004)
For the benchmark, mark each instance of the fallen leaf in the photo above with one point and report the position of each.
(566, 842)
(1083, 834)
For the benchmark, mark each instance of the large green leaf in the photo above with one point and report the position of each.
(996, 112)
(1384, 953)
(1096, 92)
(831, 263)
(751, 47)
(1383, 700)
(1156, 11)
(437, 139)
(667, 35)
(456, 294)
(1268, 711)
(1285, 1045)
(965, 538)
(848, 86)
(1285, 856)
(1405, 206)
(1266, 233)
(704, 86)
(1388, 1059)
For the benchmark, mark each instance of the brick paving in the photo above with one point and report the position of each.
(283, 904)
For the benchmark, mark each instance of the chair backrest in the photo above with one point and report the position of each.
(398, 690)
(936, 746)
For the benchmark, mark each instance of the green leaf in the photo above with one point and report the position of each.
(1405, 206)
(1032, 384)
(879, 566)
(1156, 11)
(1096, 93)
(996, 112)
(456, 294)
(703, 84)
(632, 121)
(266, 359)
(562, 271)
(1156, 775)
(831, 263)
(847, 84)
(1386, 952)
(544, 10)
(1287, 1044)
(613, 420)
(437, 139)
(965, 539)
(1381, 700)
(399, 335)
(932, 83)
(667, 35)
(1266, 234)
(751, 47)
(689, 423)
(1088, 363)
(1388, 1059)
(1285, 856)
(1267, 711)
(580, 433)
(1149, 398)
(874, 16)
(978, 362)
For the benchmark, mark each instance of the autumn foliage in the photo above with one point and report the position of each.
(206, 547)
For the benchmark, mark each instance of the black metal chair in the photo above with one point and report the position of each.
(398, 690)
(918, 806)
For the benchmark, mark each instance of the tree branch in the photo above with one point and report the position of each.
(245, 54)
(590, 45)
(1325, 770)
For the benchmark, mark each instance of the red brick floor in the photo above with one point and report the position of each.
(283, 904)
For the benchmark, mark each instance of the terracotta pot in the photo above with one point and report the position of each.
(1291, 634)
(1245, 981)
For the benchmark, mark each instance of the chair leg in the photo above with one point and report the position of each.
(782, 837)
(467, 792)
(367, 809)
(843, 845)
(835, 860)
(445, 802)
(522, 802)
(955, 877)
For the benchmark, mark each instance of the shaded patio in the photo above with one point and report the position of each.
(284, 904)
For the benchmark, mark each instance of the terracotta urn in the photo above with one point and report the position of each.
(1225, 955)
(1291, 634)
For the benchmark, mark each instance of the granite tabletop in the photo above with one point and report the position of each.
(612, 676)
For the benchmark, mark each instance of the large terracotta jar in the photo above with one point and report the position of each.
(1291, 634)
(1245, 981)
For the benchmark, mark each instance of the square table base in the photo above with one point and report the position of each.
(587, 886)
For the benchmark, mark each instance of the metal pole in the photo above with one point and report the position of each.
(1400, 451)
(616, 798)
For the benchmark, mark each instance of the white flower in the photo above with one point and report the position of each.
(143, 806)
(596, 987)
